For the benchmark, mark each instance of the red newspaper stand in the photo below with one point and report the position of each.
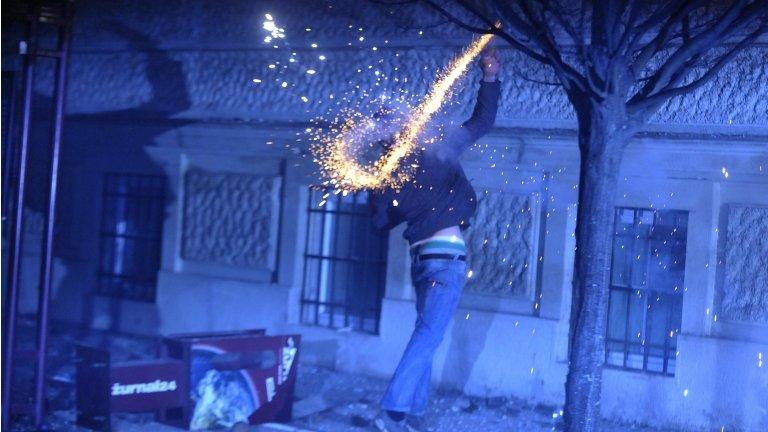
(201, 381)
(243, 377)
(138, 386)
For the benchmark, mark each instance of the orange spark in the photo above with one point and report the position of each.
(335, 154)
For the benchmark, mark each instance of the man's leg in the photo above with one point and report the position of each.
(441, 281)
(421, 397)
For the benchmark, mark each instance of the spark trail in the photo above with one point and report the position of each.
(335, 153)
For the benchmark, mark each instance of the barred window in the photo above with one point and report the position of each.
(646, 292)
(344, 263)
(131, 236)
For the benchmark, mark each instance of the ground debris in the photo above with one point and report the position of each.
(326, 400)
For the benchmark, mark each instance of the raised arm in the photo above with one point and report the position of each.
(484, 114)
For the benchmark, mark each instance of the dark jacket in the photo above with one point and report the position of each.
(438, 194)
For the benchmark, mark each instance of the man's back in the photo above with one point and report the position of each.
(438, 195)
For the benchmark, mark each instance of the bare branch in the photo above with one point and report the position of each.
(613, 22)
(571, 78)
(576, 37)
(452, 18)
(612, 61)
(411, 26)
(550, 57)
(495, 31)
(651, 103)
(665, 11)
(734, 20)
(680, 10)
(542, 26)
(583, 17)
(632, 16)
(479, 14)
(656, 17)
(519, 73)
(542, 30)
(393, 2)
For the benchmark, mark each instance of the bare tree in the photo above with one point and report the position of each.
(618, 62)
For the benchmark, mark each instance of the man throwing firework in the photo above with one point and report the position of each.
(437, 204)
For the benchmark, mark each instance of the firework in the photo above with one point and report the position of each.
(337, 149)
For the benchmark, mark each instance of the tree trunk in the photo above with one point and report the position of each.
(601, 140)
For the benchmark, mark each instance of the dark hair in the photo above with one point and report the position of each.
(386, 144)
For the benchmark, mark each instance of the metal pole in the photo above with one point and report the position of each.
(10, 150)
(17, 227)
(46, 270)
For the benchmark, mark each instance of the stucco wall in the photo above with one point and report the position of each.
(500, 244)
(745, 289)
(214, 50)
(229, 218)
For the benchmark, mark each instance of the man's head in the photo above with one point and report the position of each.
(388, 121)
(375, 135)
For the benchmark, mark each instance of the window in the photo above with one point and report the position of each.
(646, 292)
(344, 263)
(131, 235)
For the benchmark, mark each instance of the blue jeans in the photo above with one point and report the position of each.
(438, 284)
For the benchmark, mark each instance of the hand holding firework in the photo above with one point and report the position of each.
(490, 64)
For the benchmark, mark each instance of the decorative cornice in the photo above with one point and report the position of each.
(555, 134)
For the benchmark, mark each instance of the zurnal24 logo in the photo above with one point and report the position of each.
(284, 368)
(156, 386)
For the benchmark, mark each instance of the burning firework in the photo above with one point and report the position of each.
(337, 150)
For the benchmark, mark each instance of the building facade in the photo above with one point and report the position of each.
(188, 207)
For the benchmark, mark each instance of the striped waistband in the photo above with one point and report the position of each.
(440, 245)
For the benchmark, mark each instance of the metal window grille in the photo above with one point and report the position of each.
(344, 263)
(131, 235)
(646, 292)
